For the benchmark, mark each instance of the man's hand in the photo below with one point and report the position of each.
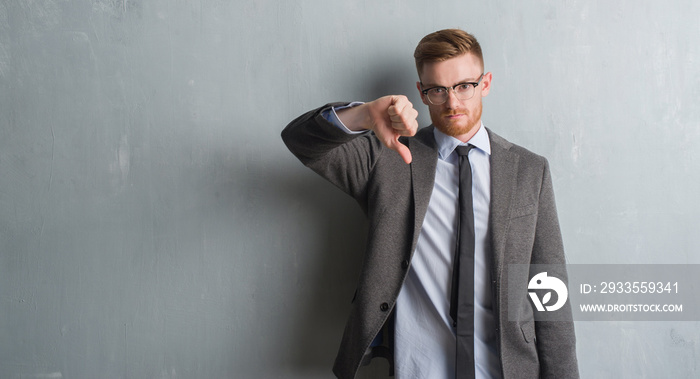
(389, 117)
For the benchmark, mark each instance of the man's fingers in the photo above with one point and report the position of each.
(392, 117)
(400, 107)
(403, 116)
(407, 123)
(400, 102)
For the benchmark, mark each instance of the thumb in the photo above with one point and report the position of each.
(402, 149)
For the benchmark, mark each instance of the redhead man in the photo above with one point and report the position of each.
(450, 206)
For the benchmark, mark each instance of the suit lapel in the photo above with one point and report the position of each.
(504, 168)
(424, 153)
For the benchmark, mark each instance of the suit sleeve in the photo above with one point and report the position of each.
(346, 160)
(556, 341)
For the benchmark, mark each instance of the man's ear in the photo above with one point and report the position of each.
(420, 92)
(486, 84)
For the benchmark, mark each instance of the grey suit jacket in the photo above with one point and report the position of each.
(394, 196)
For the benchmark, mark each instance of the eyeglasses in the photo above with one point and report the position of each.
(463, 91)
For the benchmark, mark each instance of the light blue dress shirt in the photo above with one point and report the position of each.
(425, 342)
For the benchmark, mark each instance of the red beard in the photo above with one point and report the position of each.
(459, 127)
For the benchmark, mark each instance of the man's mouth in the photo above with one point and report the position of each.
(453, 115)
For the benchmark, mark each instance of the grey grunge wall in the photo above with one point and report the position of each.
(153, 225)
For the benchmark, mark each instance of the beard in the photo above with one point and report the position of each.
(460, 127)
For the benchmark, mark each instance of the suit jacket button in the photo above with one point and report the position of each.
(384, 307)
(404, 264)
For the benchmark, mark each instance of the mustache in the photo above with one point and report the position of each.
(453, 112)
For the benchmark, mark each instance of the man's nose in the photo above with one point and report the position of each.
(452, 100)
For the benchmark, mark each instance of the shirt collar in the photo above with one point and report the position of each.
(446, 144)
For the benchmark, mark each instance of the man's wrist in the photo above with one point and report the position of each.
(331, 115)
(354, 117)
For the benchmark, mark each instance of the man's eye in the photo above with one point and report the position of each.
(438, 91)
(463, 87)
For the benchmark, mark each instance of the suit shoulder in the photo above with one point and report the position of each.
(526, 155)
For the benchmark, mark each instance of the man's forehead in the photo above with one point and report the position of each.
(464, 68)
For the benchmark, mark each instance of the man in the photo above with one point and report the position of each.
(406, 307)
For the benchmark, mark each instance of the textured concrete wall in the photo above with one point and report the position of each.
(152, 224)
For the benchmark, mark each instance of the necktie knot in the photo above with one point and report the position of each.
(464, 149)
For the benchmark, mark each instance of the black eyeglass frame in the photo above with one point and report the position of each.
(454, 89)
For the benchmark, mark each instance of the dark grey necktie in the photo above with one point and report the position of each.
(462, 296)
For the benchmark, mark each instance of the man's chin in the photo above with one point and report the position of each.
(454, 130)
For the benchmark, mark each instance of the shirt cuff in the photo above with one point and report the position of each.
(332, 117)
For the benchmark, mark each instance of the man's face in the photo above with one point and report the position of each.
(455, 117)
